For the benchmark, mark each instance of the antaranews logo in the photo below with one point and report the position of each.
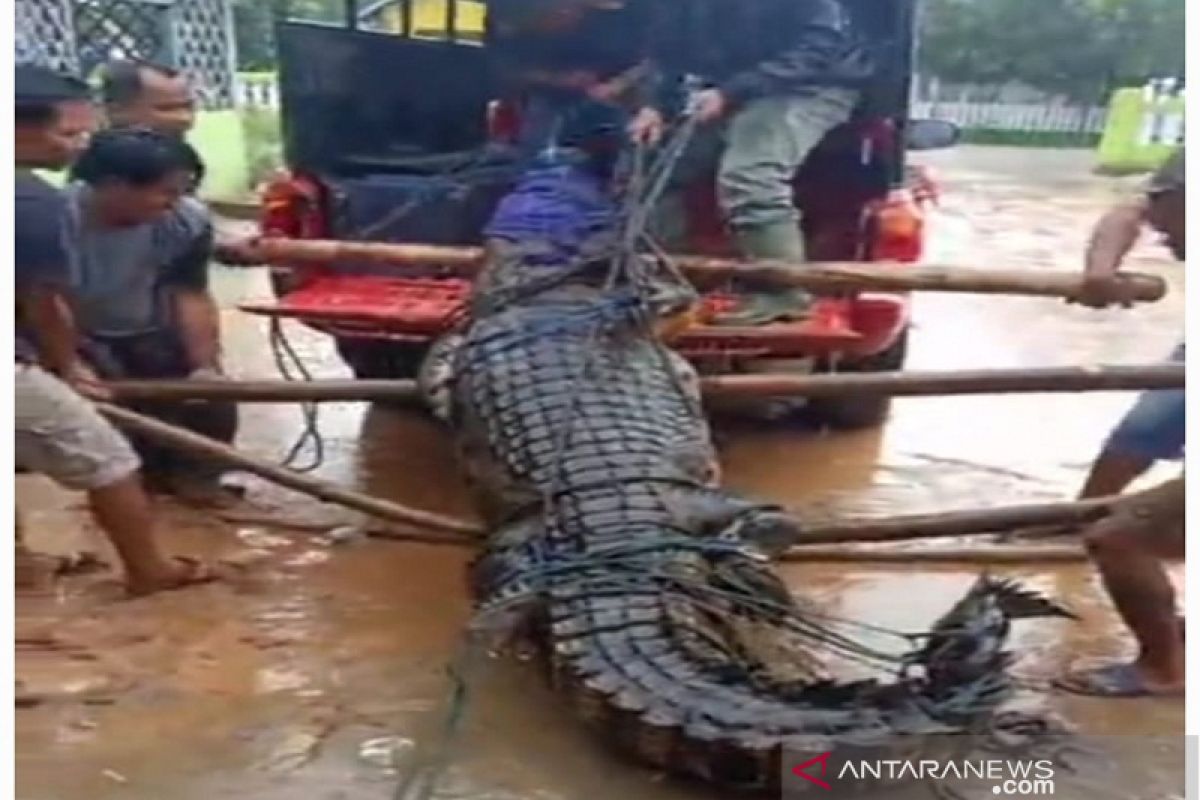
(1007, 778)
(802, 770)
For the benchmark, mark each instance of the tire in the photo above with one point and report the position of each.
(858, 413)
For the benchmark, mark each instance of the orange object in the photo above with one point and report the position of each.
(900, 227)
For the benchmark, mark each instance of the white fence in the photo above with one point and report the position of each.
(1015, 117)
(256, 90)
(260, 90)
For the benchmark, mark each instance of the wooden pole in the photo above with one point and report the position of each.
(818, 538)
(850, 554)
(893, 384)
(921, 384)
(825, 277)
(323, 490)
(280, 251)
(984, 554)
(955, 523)
(319, 391)
(895, 529)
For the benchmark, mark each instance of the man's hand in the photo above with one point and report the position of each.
(80, 377)
(240, 253)
(709, 106)
(613, 90)
(606, 91)
(646, 128)
(1102, 291)
(204, 374)
(1112, 239)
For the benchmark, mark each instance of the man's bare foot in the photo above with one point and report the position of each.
(180, 572)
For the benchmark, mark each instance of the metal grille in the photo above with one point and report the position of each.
(107, 29)
(203, 46)
(45, 33)
(78, 35)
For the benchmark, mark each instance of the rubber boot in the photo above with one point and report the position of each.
(780, 241)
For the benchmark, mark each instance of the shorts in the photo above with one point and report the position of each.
(60, 434)
(1154, 429)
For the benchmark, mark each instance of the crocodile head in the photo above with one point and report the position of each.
(557, 238)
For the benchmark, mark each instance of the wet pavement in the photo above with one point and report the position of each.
(318, 669)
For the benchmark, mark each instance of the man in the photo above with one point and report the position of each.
(1147, 528)
(143, 94)
(147, 95)
(140, 288)
(58, 433)
(575, 68)
(1154, 429)
(778, 76)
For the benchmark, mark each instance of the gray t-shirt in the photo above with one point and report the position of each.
(120, 277)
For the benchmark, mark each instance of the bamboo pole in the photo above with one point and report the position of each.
(984, 554)
(923, 384)
(319, 391)
(895, 529)
(893, 384)
(825, 277)
(955, 523)
(847, 554)
(323, 490)
(833, 538)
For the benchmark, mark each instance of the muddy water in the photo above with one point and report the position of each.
(271, 686)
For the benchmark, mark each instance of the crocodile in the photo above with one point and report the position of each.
(650, 588)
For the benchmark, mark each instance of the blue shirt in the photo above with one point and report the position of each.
(41, 248)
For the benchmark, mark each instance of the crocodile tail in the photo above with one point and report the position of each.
(709, 690)
(964, 657)
(1017, 602)
(671, 682)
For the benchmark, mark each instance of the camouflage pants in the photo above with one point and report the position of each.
(755, 155)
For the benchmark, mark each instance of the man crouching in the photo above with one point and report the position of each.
(140, 285)
(57, 432)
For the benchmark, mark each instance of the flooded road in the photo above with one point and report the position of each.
(314, 674)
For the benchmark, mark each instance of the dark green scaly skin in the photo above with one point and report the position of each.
(664, 622)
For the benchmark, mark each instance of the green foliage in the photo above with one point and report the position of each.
(1078, 48)
(264, 143)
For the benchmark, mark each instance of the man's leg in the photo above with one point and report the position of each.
(541, 121)
(1152, 431)
(122, 509)
(1112, 472)
(161, 356)
(1129, 549)
(769, 141)
(669, 221)
(59, 434)
(198, 479)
